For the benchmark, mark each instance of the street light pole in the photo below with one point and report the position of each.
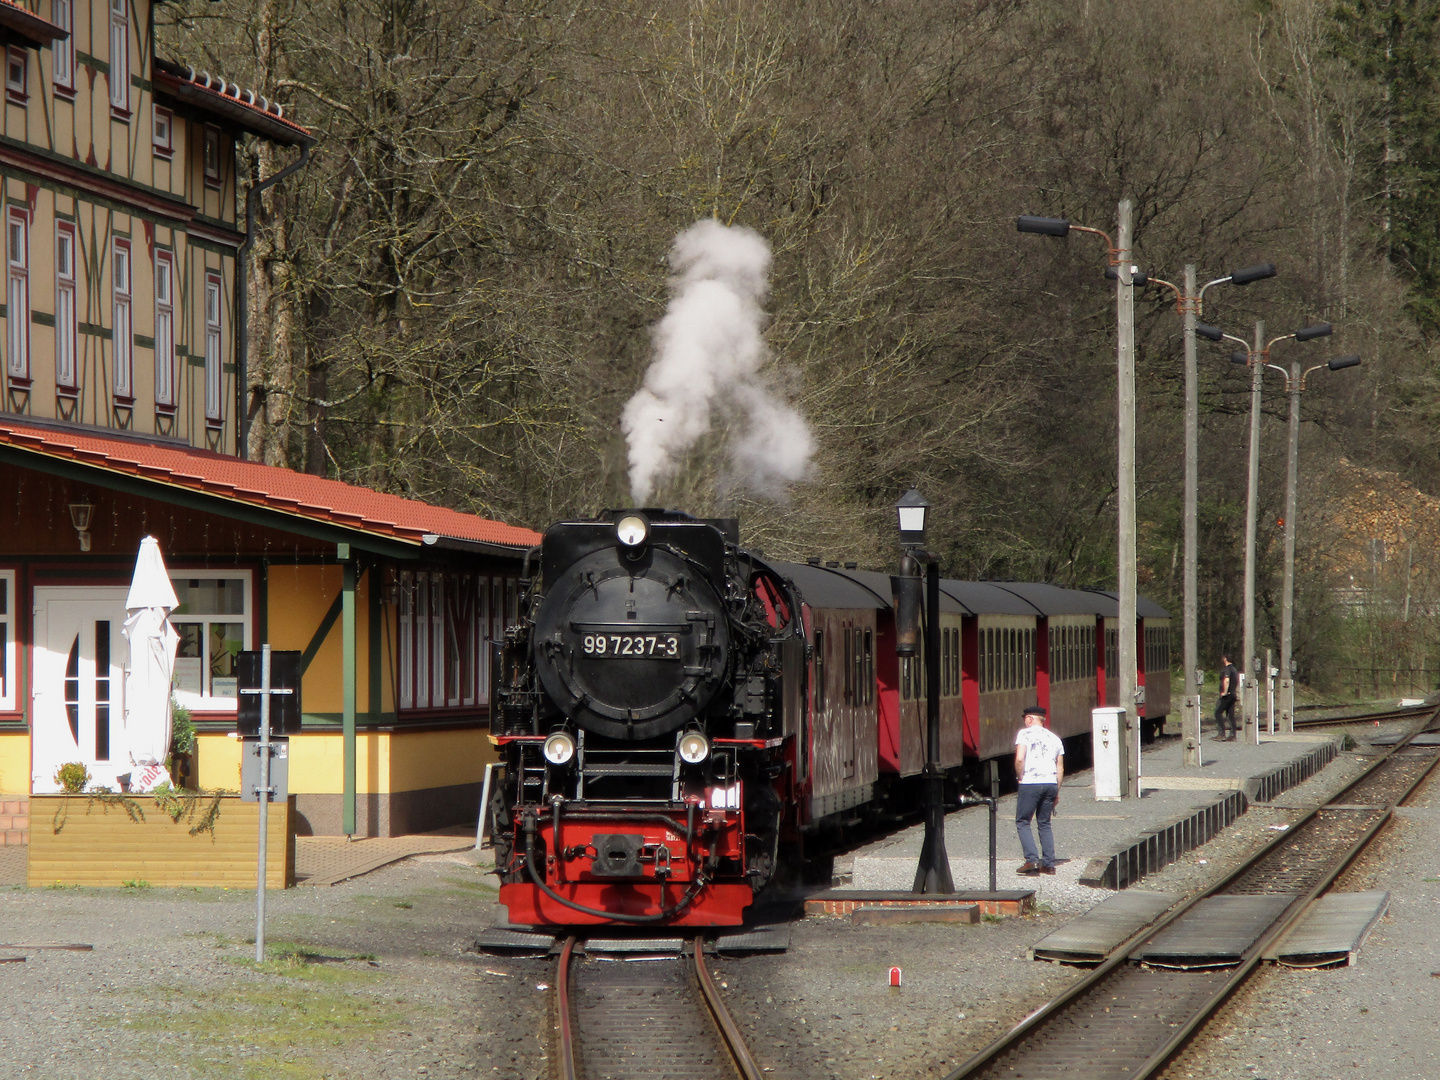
(1252, 502)
(1190, 301)
(1295, 384)
(1125, 349)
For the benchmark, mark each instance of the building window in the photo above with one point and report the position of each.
(123, 342)
(163, 137)
(15, 75)
(65, 373)
(62, 15)
(165, 331)
(214, 387)
(212, 156)
(119, 58)
(7, 641)
(213, 621)
(17, 258)
(447, 622)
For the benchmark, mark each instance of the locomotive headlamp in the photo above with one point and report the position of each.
(559, 748)
(694, 748)
(632, 530)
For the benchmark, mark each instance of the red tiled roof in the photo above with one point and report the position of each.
(27, 24)
(228, 100)
(281, 490)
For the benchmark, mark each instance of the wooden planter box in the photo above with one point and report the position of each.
(95, 842)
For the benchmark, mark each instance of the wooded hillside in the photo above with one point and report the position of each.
(454, 300)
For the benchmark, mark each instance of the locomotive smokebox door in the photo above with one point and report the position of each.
(617, 854)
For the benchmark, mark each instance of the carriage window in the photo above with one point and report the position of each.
(819, 669)
(847, 663)
(944, 661)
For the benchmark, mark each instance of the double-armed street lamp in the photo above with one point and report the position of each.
(932, 875)
(1295, 386)
(1190, 302)
(1257, 359)
(1126, 277)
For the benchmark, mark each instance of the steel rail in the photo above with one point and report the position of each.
(1123, 953)
(562, 994)
(1360, 718)
(734, 1041)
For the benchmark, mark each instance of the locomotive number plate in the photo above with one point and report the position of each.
(659, 646)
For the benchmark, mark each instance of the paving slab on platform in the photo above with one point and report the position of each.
(1331, 931)
(1107, 844)
(329, 860)
(1216, 932)
(1095, 935)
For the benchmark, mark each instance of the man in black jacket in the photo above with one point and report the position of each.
(1225, 707)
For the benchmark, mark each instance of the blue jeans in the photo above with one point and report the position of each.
(1037, 801)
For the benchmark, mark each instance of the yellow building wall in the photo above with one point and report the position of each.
(15, 762)
(297, 601)
(385, 762)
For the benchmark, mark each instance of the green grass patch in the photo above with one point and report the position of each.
(254, 1032)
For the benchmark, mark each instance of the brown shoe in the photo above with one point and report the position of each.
(1029, 869)
(1220, 738)
(1047, 870)
(1229, 738)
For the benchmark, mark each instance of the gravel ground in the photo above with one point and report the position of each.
(374, 978)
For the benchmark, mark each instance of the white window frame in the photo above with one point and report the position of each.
(211, 151)
(67, 249)
(120, 58)
(122, 334)
(17, 75)
(165, 390)
(9, 674)
(62, 14)
(214, 357)
(162, 131)
(17, 292)
(203, 701)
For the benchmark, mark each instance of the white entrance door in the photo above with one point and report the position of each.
(79, 684)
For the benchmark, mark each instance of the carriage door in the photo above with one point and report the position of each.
(79, 679)
(848, 635)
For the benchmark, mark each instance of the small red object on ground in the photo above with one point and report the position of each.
(894, 976)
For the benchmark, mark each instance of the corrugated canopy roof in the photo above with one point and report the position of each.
(283, 492)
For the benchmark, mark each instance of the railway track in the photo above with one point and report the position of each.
(1134, 1012)
(1366, 717)
(645, 1018)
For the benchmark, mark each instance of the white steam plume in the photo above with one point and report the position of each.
(709, 351)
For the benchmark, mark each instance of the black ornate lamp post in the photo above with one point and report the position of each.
(932, 875)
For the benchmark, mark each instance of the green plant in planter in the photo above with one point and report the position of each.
(182, 729)
(72, 777)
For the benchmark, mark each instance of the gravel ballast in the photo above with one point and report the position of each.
(376, 978)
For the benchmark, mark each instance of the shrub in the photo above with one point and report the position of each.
(72, 777)
(182, 728)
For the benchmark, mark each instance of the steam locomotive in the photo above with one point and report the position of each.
(681, 720)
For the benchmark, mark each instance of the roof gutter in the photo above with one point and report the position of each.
(474, 547)
(242, 304)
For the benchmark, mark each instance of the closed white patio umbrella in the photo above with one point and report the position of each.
(153, 642)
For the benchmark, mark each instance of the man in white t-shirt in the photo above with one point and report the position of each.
(1039, 767)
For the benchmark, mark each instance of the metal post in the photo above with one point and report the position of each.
(263, 795)
(1247, 651)
(1190, 718)
(1269, 695)
(994, 813)
(932, 875)
(1125, 322)
(347, 679)
(1287, 603)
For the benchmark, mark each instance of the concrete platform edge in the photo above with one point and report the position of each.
(1157, 848)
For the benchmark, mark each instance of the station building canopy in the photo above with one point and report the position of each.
(324, 509)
